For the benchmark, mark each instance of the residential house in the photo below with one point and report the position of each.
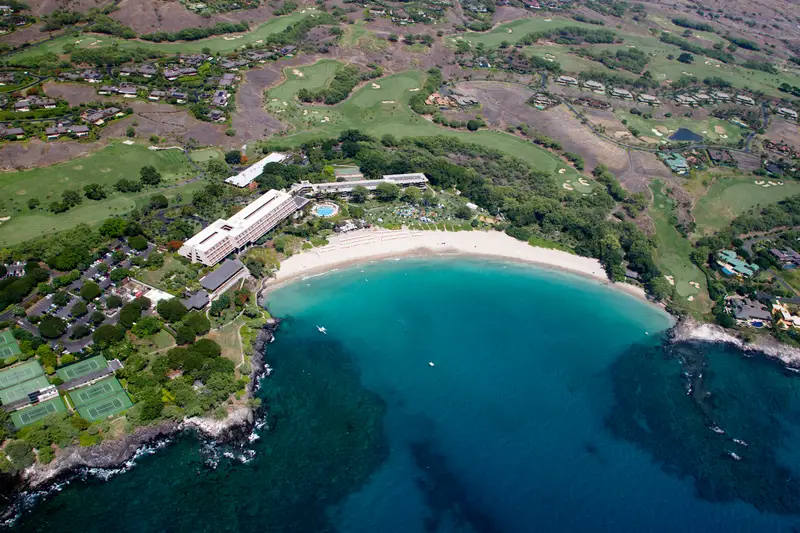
(595, 86)
(216, 115)
(720, 96)
(745, 100)
(178, 96)
(676, 162)
(107, 89)
(649, 99)
(686, 100)
(751, 311)
(156, 95)
(286, 50)
(92, 76)
(12, 133)
(127, 92)
(79, 131)
(621, 93)
(7, 77)
(220, 98)
(55, 132)
(721, 157)
(789, 258)
(732, 265)
(703, 98)
(566, 80)
(227, 80)
(791, 114)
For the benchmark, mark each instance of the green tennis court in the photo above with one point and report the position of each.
(96, 392)
(21, 390)
(29, 415)
(105, 407)
(19, 373)
(8, 345)
(82, 368)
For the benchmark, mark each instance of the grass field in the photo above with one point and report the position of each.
(206, 154)
(672, 255)
(312, 77)
(570, 62)
(729, 197)
(356, 35)
(514, 31)
(712, 129)
(382, 108)
(106, 167)
(229, 340)
(221, 43)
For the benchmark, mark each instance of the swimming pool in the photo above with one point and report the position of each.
(326, 210)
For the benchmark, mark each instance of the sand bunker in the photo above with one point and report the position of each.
(690, 298)
(662, 129)
(658, 133)
(297, 73)
(413, 90)
(376, 86)
(305, 112)
(670, 279)
(387, 102)
(129, 143)
(325, 119)
(719, 130)
(562, 170)
(5, 219)
(695, 285)
(583, 182)
(568, 187)
(759, 182)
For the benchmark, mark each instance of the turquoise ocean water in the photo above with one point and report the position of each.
(553, 404)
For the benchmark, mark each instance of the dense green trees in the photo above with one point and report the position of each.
(113, 301)
(90, 290)
(79, 309)
(171, 310)
(52, 327)
(150, 175)
(138, 242)
(108, 334)
(343, 83)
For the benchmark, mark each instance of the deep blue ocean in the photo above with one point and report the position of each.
(473, 396)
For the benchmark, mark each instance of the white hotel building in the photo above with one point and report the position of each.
(223, 237)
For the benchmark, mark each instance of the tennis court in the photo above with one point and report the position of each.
(82, 368)
(8, 345)
(29, 415)
(19, 373)
(105, 407)
(21, 390)
(96, 392)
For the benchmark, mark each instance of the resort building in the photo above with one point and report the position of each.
(566, 80)
(745, 100)
(223, 278)
(751, 311)
(787, 113)
(212, 244)
(248, 175)
(786, 318)
(731, 265)
(789, 258)
(416, 179)
(702, 98)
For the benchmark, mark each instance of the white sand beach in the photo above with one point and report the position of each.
(376, 244)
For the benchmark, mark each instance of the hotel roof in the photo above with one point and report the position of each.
(226, 271)
(245, 177)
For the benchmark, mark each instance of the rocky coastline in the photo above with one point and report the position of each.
(690, 330)
(71, 462)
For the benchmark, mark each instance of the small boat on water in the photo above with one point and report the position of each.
(734, 456)
(322, 330)
(741, 442)
(718, 430)
(430, 363)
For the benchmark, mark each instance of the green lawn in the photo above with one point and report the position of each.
(731, 196)
(356, 35)
(206, 154)
(312, 77)
(384, 109)
(570, 62)
(672, 255)
(223, 44)
(666, 126)
(106, 166)
(515, 30)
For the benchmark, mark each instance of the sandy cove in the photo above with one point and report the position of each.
(376, 244)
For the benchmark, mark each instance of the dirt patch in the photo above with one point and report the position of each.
(37, 153)
(75, 93)
(251, 120)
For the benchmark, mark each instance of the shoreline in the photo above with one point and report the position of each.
(373, 245)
